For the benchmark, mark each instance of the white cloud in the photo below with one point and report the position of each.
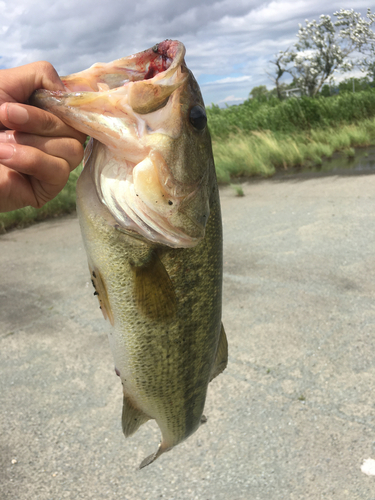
(229, 43)
(229, 79)
(232, 98)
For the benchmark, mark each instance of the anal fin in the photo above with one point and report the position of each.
(221, 359)
(132, 417)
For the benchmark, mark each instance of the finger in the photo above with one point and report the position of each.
(22, 81)
(36, 121)
(66, 148)
(30, 161)
(16, 190)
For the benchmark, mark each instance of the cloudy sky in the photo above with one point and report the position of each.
(229, 42)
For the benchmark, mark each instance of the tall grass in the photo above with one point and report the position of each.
(291, 115)
(263, 152)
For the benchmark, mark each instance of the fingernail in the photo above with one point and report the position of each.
(6, 151)
(17, 114)
(7, 136)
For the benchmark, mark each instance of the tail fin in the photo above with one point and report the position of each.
(151, 458)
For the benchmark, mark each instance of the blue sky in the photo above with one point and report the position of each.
(229, 43)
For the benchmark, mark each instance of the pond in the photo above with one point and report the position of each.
(362, 163)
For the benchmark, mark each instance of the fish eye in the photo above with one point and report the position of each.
(198, 117)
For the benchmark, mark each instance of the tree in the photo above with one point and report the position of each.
(353, 85)
(322, 48)
(281, 61)
(359, 32)
(259, 93)
(326, 91)
(320, 52)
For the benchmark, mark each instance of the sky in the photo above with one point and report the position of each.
(229, 43)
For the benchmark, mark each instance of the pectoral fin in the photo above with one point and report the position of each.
(101, 293)
(154, 292)
(132, 417)
(221, 359)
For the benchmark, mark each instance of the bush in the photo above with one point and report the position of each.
(292, 114)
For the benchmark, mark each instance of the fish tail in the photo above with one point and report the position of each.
(151, 458)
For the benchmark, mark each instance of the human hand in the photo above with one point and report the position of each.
(37, 150)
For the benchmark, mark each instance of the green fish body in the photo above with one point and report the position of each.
(149, 211)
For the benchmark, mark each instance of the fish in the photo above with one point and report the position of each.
(149, 210)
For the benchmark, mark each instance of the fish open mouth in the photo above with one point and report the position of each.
(141, 67)
(144, 165)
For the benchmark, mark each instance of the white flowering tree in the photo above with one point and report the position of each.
(318, 55)
(324, 47)
(359, 31)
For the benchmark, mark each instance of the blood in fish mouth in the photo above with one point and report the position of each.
(159, 65)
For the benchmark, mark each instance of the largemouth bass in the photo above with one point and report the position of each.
(149, 210)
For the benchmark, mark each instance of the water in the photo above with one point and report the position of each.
(362, 163)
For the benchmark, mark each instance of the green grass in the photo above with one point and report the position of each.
(292, 115)
(349, 153)
(238, 189)
(262, 153)
(257, 138)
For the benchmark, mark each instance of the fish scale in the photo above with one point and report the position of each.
(156, 265)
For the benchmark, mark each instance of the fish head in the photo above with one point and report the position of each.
(150, 155)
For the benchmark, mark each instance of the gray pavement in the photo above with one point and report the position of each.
(292, 417)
